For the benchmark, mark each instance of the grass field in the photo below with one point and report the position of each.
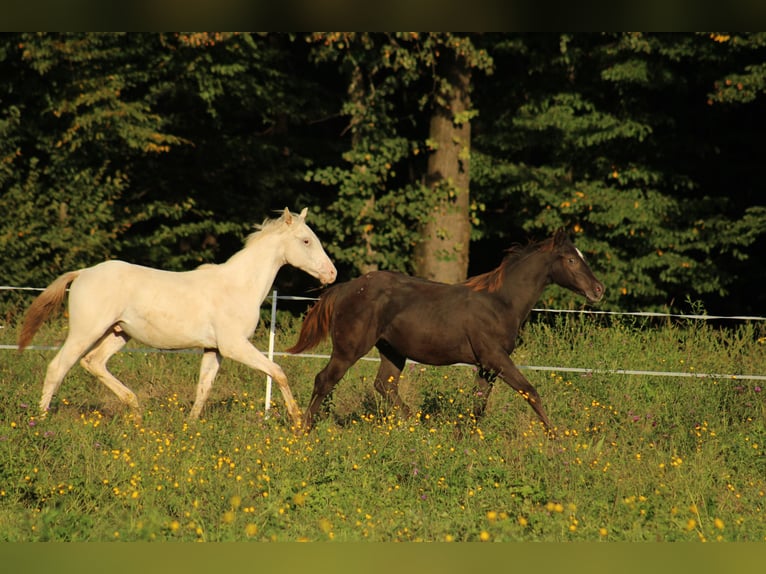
(635, 458)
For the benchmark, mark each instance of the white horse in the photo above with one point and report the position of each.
(215, 308)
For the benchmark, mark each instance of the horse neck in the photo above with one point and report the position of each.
(256, 265)
(524, 282)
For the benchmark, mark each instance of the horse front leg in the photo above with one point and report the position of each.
(244, 352)
(506, 370)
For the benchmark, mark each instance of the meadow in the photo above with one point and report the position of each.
(634, 458)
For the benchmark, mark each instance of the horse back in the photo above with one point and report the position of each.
(427, 321)
(357, 300)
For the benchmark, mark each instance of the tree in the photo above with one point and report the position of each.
(611, 137)
(163, 149)
(442, 252)
(395, 84)
(242, 102)
(74, 116)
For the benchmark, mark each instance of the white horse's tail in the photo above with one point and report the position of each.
(43, 306)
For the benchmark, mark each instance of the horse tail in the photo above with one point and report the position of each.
(316, 324)
(43, 306)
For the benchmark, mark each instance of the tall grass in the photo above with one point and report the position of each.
(634, 457)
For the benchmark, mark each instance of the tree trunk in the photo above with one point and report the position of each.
(442, 253)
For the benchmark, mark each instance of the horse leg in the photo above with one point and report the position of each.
(353, 335)
(387, 379)
(95, 363)
(211, 362)
(505, 369)
(484, 382)
(244, 352)
(64, 360)
(324, 383)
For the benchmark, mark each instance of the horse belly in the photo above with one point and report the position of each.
(168, 331)
(169, 318)
(429, 340)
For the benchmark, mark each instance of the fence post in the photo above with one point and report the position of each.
(272, 334)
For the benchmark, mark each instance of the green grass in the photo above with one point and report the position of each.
(634, 458)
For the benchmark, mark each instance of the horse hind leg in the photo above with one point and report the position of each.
(61, 364)
(95, 363)
(351, 340)
(484, 383)
(387, 378)
(211, 362)
(324, 383)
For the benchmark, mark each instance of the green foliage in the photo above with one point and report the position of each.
(165, 149)
(597, 143)
(372, 222)
(393, 83)
(745, 83)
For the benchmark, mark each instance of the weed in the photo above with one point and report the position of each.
(634, 458)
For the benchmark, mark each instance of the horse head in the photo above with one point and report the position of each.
(303, 250)
(570, 269)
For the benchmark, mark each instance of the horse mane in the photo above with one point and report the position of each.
(263, 228)
(491, 281)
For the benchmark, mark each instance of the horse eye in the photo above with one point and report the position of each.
(306, 241)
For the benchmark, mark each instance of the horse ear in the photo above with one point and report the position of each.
(304, 211)
(560, 236)
(288, 216)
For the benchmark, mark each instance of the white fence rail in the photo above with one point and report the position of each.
(275, 297)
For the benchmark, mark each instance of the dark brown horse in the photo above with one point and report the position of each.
(474, 322)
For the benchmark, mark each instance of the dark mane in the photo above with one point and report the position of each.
(491, 281)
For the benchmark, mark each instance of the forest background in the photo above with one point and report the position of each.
(428, 153)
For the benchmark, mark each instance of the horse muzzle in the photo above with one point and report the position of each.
(327, 276)
(595, 293)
